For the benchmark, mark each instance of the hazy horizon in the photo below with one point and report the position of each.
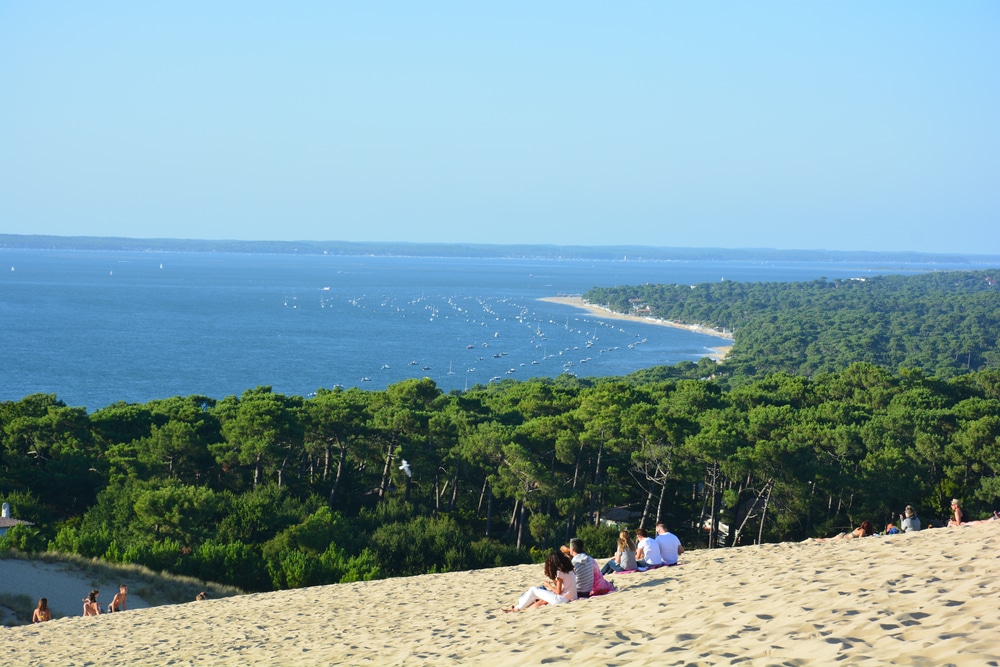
(853, 127)
(613, 252)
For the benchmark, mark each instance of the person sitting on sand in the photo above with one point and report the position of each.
(201, 596)
(118, 603)
(864, 530)
(42, 612)
(909, 522)
(584, 566)
(958, 514)
(669, 545)
(559, 588)
(90, 606)
(624, 558)
(647, 552)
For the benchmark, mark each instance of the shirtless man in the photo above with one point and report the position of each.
(118, 603)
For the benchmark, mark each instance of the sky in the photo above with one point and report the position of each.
(837, 126)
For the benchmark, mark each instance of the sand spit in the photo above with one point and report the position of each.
(921, 599)
(718, 353)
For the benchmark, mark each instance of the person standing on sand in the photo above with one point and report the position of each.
(118, 602)
(42, 612)
(90, 606)
(669, 545)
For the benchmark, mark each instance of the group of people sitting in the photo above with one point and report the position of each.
(645, 552)
(909, 522)
(571, 574)
(92, 608)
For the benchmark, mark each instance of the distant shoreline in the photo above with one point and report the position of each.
(578, 302)
(887, 260)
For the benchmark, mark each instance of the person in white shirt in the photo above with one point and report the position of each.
(669, 544)
(647, 553)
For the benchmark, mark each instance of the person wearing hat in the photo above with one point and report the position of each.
(909, 522)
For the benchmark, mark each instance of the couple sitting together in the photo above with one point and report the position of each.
(570, 574)
(646, 552)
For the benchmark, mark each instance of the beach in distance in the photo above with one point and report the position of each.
(926, 598)
(719, 353)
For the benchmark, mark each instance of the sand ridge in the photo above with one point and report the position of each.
(923, 599)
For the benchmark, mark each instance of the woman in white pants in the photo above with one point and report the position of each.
(559, 589)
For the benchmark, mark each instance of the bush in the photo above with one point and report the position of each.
(158, 556)
(599, 541)
(419, 546)
(71, 538)
(23, 538)
(363, 567)
(236, 564)
(487, 552)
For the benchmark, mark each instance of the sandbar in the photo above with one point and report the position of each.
(718, 352)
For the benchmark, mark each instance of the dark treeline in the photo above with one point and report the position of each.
(268, 491)
(946, 324)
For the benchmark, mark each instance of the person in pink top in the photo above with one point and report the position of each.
(559, 588)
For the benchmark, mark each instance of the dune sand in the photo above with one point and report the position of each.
(928, 598)
(63, 585)
(718, 353)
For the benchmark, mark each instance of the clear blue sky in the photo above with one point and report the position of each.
(849, 125)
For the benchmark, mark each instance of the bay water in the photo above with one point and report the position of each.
(98, 327)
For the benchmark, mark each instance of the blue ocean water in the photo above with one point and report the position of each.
(100, 327)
